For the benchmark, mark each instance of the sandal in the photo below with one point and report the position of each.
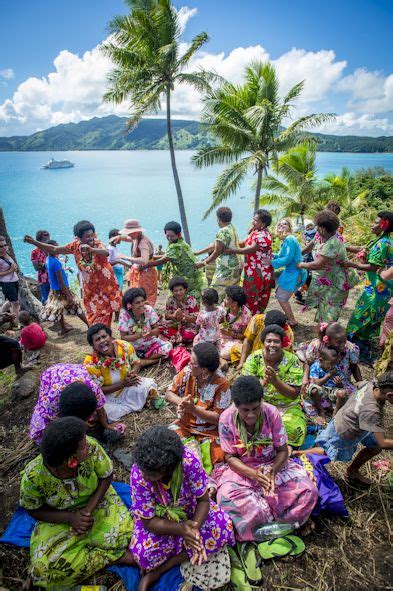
(238, 576)
(297, 545)
(250, 562)
(278, 548)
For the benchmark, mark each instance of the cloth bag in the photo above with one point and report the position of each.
(214, 573)
(180, 357)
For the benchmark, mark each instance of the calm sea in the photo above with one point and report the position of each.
(108, 187)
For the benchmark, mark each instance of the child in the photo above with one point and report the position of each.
(208, 320)
(360, 420)
(114, 258)
(158, 255)
(32, 337)
(324, 387)
(60, 297)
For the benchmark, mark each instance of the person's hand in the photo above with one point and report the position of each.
(199, 557)
(347, 264)
(200, 264)
(191, 535)
(178, 314)
(187, 404)
(239, 365)
(265, 477)
(270, 375)
(300, 266)
(81, 522)
(303, 388)
(115, 240)
(85, 248)
(14, 267)
(131, 380)
(338, 381)
(28, 239)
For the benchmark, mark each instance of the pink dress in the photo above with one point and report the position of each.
(208, 322)
(243, 498)
(238, 325)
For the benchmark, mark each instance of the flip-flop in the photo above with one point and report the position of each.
(277, 548)
(238, 576)
(297, 545)
(250, 562)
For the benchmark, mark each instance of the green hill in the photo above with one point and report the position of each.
(110, 133)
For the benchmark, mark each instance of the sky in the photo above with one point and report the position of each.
(52, 71)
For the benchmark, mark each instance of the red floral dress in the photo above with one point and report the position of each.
(257, 281)
(101, 294)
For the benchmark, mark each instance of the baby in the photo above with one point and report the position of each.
(32, 337)
(208, 319)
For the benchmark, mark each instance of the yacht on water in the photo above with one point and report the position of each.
(58, 164)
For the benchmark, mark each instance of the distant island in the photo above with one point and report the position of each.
(110, 133)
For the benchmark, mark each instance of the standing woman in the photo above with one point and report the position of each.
(101, 294)
(290, 279)
(328, 290)
(182, 260)
(373, 302)
(258, 271)
(142, 252)
(9, 281)
(38, 258)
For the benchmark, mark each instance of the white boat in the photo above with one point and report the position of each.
(58, 164)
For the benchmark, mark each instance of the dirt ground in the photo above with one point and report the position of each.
(353, 554)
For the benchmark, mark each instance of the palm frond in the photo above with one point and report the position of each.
(198, 41)
(228, 182)
(215, 155)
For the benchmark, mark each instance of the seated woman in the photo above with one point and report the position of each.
(82, 525)
(281, 375)
(175, 520)
(115, 364)
(252, 335)
(235, 322)
(138, 324)
(200, 394)
(259, 484)
(181, 310)
(52, 383)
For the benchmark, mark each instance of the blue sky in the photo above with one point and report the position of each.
(342, 50)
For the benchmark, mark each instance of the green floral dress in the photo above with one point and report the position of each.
(373, 303)
(182, 262)
(57, 557)
(328, 291)
(290, 371)
(228, 266)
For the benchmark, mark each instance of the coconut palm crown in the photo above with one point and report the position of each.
(247, 120)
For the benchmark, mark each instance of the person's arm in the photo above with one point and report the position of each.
(208, 416)
(387, 274)
(130, 338)
(317, 264)
(101, 252)
(285, 389)
(98, 495)
(355, 370)
(47, 248)
(354, 248)
(141, 260)
(308, 248)
(208, 249)
(13, 268)
(280, 459)
(246, 350)
(383, 443)
(38, 266)
(243, 249)
(173, 398)
(64, 289)
(156, 262)
(324, 379)
(218, 249)
(285, 255)
(362, 266)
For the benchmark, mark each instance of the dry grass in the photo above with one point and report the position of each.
(353, 554)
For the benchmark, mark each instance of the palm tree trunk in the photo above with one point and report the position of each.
(183, 216)
(258, 189)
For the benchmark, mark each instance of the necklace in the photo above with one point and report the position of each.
(228, 322)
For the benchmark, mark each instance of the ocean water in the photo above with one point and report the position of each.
(107, 187)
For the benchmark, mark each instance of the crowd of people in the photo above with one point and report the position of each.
(228, 464)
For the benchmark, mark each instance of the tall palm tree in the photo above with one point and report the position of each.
(296, 188)
(247, 120)
(145, 49)
(341, 188)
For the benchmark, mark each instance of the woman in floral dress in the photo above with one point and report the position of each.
(373, 303)
(101, 293)
(258, 271)
(236, 320)
(82, 525)
(330, 282)
(259, 484)
(181, 311)
(115, 365)
(175, 520)
(281, 375)
(228, 265)
(138, 324)
(200, 393)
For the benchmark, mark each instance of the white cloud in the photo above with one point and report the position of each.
(369, 91)
(184, 14)
(352, 123)
(7, 73)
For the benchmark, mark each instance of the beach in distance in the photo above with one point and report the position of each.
(107, 187)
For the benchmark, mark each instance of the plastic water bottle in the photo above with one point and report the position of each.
(269, 531)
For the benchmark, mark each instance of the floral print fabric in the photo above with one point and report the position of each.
(144, 346)
(349, 356)
(182, 262)
(151, 550)
(238, 325)
(57, 557)
(228, 266)
(257, 279)
(208, 322)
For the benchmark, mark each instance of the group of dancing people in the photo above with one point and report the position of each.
(227, 465)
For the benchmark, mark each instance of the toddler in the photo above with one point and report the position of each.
(32, 337)
(208, 319)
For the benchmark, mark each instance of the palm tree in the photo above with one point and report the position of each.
(247, 121)
(145, 49)
(341, 188)
(296, 188)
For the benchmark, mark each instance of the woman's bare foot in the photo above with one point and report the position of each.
(148, 580)
(355, 477)
(127, 559)
(308, 528)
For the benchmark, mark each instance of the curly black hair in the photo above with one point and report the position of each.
(237, 294)
(273, 329)
(81, 227)
(173, 227)
(209, 296)
(61, 439)
(387, 215)
(246, 389)
(39, 234)
(131, 294)
(77, 400)
(176, 281)
(265, 216)
(207, 356)
(385, 380)
(325, 352)
(328, 220)
(113, 233)
(94, 329)
(275, 317)
(224, 214)
(334, 207)
(158, 450)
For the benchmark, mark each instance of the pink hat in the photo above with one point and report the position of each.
(131, 227)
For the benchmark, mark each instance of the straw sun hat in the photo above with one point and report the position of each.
(131, 227)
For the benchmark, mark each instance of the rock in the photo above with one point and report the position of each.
(25, 386)
(124, 457)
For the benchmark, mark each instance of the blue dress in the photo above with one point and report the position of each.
(289, 256)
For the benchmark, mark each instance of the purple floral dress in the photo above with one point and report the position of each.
(243, 498)
(53, 381)
(151, 550)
